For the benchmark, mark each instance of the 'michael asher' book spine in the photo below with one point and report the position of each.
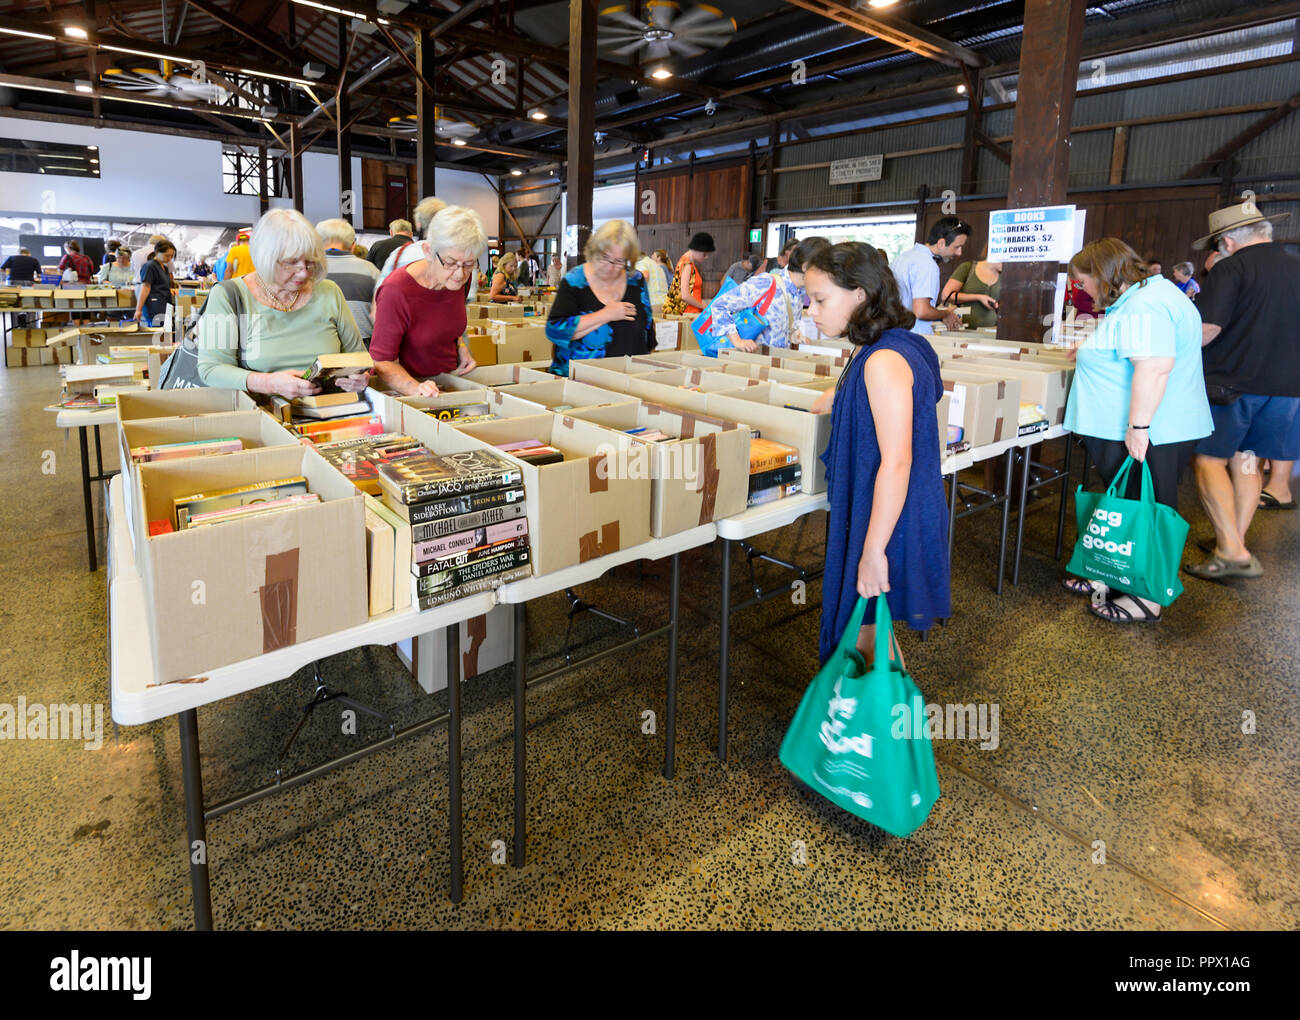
(454, 577)
(456, 506)
(468, 522)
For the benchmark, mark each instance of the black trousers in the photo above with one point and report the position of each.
(1167, 464)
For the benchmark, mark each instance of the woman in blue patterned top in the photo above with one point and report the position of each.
(777, 297)
(602, 308)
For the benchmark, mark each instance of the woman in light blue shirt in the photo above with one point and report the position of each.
(1138, 387)
(778, 298)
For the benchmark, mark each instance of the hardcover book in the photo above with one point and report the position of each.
(472, 540)
(768, 454)
(453, 577)
(468, 557)
(774, 493)
(478, 519)
(788, 475)
(471, 588)
(328, 368)
(244, 495)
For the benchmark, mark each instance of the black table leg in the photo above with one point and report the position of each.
(453, 760)
(724, 648)
(1026, 460)
(1065, 495)
(196, 828)
(952, 513)
(1006, 516)
(670, 726)
(90, 505)
(99, 457)
(521, 724)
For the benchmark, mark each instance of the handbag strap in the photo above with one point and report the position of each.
(1119, 483)
(849, 639)
(765, 302)
(886, 647)
(1148, 486)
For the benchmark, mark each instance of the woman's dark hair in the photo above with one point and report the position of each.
(161, 248)
(73, 246)
(853, 264)
(114, 245)
(803, 252)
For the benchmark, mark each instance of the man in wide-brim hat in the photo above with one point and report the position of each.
(1249, 310)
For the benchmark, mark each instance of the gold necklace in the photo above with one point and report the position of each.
(276, 303)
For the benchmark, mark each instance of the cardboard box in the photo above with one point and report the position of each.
(481, 349)
(687, 380)
(181, 403)
(766, 373)
(10, 297)
(221, 594)
(700, 476)
(763, 408)
(987, 408)
(576, 395)
(36, 297)
(486, 642)
(945, 402)
(1047, 385)
(101, 297)
(521, 342)
(580, 509)
(974, 344)
(491, 375)
(808, 364)
(23, 337)
(25, 357)
(65, 298)
(57, 356)
(125, 297)
(424, 409)
(504, 310)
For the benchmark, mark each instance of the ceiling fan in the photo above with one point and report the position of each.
(665, 31)
(444, 125)
(175, 85)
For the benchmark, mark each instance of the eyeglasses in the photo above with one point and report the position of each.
(464, 267)
(620, 263)
(293, 265)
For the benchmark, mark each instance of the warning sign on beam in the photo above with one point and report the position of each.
(1032, 235)
(860, 168)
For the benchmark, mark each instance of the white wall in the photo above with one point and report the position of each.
(461, 187)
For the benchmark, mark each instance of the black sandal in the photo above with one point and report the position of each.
(1077, 585)
(1112, 612)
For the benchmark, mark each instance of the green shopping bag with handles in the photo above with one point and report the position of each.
(1132, 545)
(841, 741)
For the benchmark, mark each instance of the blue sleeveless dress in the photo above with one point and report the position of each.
(917, 551)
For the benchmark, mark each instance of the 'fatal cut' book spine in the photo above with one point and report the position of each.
(468, 557)
(453, 577)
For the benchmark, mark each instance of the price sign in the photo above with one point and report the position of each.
(1032, 235)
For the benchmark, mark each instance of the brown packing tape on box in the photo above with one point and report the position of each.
(477, 630)
(709, 475)
(279, 598)
(598, 473)
(591, 547)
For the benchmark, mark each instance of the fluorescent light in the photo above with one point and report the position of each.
(95, 161)
(143, 53)
(333, 10)
(84, 86)
(75, 32)
(516, 173)
(29, 35)
(961, 90)
(383, 21)
(660, 73)
(458, 141)
(274, 77)
(881, 3)
(538, 114)
(93, 148)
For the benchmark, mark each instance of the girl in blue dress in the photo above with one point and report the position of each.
(888, 528)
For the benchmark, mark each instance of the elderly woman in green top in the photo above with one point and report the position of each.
(293, 314)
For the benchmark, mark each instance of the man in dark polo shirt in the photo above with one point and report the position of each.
(400, 232)
(22, 268)
(1249, 310)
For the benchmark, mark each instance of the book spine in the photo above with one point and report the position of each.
(453, 577)
(468, 557)
(472, 588)
(423, 513)
(769, 495)
(770, 462)
(780, 476)
(418, 492)
(450, 545)
(467, 522)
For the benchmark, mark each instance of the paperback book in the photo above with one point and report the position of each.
(466, 522)
(433, 476)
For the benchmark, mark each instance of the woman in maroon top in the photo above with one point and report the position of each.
(420, 309)
(81, 263)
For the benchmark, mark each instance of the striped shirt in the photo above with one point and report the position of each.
(356, 278)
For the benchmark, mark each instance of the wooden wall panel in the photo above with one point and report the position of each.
(373, 198)
(721, 193)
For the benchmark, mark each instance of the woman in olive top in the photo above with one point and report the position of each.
(293, 314)
(118, 272)
(978, 284)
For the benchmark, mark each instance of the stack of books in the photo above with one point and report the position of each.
(532, 451)
(774, 471)
(358, 459)
(1032, 419)
(327, 369)
(649, 435)
(236, 504)
(98, 385)
(333, 430)
(189, 448)
(469, 529)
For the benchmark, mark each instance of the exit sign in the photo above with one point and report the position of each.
(755, 236)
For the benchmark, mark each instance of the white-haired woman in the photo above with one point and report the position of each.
(420, 311)
(504, 289)
(602, 308)
(293, 314)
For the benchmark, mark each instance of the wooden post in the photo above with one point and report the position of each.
(426, 137)
(581, 168)
(347, 201)
(1118, 154)
(974, 81)
(263, 202)
(1040, 151)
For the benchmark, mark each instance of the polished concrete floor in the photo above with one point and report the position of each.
(1123, 793)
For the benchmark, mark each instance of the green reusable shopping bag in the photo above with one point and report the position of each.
(841, 741)
(1132, 545)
